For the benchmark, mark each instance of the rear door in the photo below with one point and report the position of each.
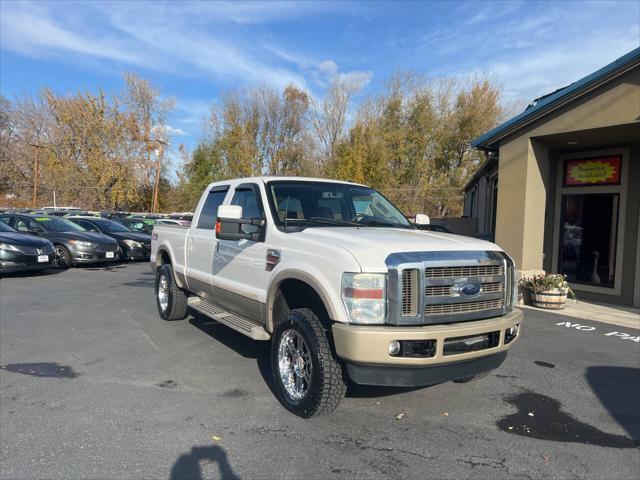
(239, 265)
(201, 242)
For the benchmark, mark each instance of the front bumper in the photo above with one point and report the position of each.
(93, 255)
(19, 262)
(137, 253)
(394, 376)
(369, 345)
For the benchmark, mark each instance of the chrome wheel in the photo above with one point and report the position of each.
(294, 364)
(163, 293)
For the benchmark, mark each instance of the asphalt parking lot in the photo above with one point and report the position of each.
(94, 385)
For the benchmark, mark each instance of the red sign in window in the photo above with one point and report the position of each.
(593, 171)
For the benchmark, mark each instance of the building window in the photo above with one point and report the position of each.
(588, 237)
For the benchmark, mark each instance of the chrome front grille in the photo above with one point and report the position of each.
(409, 292)
(449, 308)
(443, 290)
(465, 271)
(441, 287)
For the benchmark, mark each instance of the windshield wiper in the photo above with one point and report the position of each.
(382, 223)
(333, 221)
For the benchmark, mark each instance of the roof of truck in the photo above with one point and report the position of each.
(271, 178)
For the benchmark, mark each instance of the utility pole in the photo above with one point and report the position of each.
(156, 180)
(34, 200)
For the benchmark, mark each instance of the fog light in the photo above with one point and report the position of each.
(394, 347)
(511, 333)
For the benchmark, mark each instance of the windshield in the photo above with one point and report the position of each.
(57, 224)
(335, 204)
(141, 225)
(6, 228)
(111, 227)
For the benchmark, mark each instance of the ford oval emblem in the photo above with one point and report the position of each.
(470, 289)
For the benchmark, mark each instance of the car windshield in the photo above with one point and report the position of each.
(57, 224)
(111, 227)
(332, 204)
(140, 225)
(6, 228)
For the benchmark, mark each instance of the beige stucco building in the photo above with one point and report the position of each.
(561, 186)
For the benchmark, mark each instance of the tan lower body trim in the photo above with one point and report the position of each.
(369, 344)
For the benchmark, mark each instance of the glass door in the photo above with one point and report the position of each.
(588, 238)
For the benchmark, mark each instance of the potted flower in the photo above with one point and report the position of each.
(547, 290)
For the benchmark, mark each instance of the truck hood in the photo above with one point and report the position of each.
(370, 246)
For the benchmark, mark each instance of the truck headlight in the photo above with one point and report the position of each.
(364, 295)
(132, 244)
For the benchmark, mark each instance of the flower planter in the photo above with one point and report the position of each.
(553, 299)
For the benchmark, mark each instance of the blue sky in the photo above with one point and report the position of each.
(196, 51)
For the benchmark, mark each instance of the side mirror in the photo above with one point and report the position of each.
(422, 219)
(229, 224)
(33, 231)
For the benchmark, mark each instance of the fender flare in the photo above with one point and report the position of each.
(303, 276)
(179, 277)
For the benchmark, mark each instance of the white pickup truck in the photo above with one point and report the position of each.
(341, 284)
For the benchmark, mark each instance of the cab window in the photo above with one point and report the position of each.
(209, 212)
(248, 199)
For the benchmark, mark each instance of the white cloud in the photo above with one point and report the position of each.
(166, 41)
(175, 132)
(33, 35)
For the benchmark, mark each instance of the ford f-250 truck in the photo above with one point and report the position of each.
(341, 284)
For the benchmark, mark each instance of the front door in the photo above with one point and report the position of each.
(239, 265)
(202, 242)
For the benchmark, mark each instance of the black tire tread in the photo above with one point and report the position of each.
(178, 300)
(334, 385)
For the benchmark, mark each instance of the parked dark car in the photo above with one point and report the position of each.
(133, 245)
(72, 244)
(141, 225)
(19, 253)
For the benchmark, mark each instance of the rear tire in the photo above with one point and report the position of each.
(170, 299)
(308, 377)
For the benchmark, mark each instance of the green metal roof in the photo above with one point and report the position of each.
(488, 140)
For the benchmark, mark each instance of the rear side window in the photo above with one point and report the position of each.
(87, 225)
(209, 213)
(27, 225)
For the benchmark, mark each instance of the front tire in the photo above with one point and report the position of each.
(308, 378)
(170, 299)
(62, 257)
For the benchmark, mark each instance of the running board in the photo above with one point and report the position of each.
(244, 326)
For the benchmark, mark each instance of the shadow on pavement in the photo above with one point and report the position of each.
(260, 351)
(33, 273)
(188, 466)
(240, 344)
(618, 389)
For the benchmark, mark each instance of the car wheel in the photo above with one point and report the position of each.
(170, 299)
(62, 257)
(308, 378)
